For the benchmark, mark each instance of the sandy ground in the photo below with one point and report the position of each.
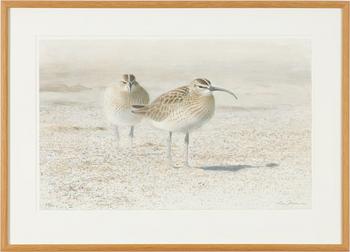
(246, 157)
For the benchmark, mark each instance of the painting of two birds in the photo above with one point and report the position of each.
(183, 109)
(175, 123)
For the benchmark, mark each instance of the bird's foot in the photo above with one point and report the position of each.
(131, 141)
(187, 164)
(172, 164)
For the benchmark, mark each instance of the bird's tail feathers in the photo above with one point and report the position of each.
(139, 109)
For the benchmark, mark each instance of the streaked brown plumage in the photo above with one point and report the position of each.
(183, 109)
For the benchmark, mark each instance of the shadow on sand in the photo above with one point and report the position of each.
(234, 168)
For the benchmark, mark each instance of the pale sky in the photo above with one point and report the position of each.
(97, 63)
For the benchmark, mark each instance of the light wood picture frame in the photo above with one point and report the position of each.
(7, 5)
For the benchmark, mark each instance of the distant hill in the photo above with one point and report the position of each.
(62, 88)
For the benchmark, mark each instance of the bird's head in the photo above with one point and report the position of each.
(204, 87)
(128, 82)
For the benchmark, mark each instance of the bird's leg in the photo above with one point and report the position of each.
(187, 141)
(131, 135)
(170, 159)
(116, 133)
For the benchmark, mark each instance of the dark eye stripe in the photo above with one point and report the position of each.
(206, 82)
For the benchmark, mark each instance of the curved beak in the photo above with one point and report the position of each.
(212, 88)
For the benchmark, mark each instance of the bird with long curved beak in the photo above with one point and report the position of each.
(118, 101)
(183, 109)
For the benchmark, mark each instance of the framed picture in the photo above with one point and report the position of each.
(175, 125)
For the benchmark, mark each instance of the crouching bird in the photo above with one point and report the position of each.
(118, 101)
